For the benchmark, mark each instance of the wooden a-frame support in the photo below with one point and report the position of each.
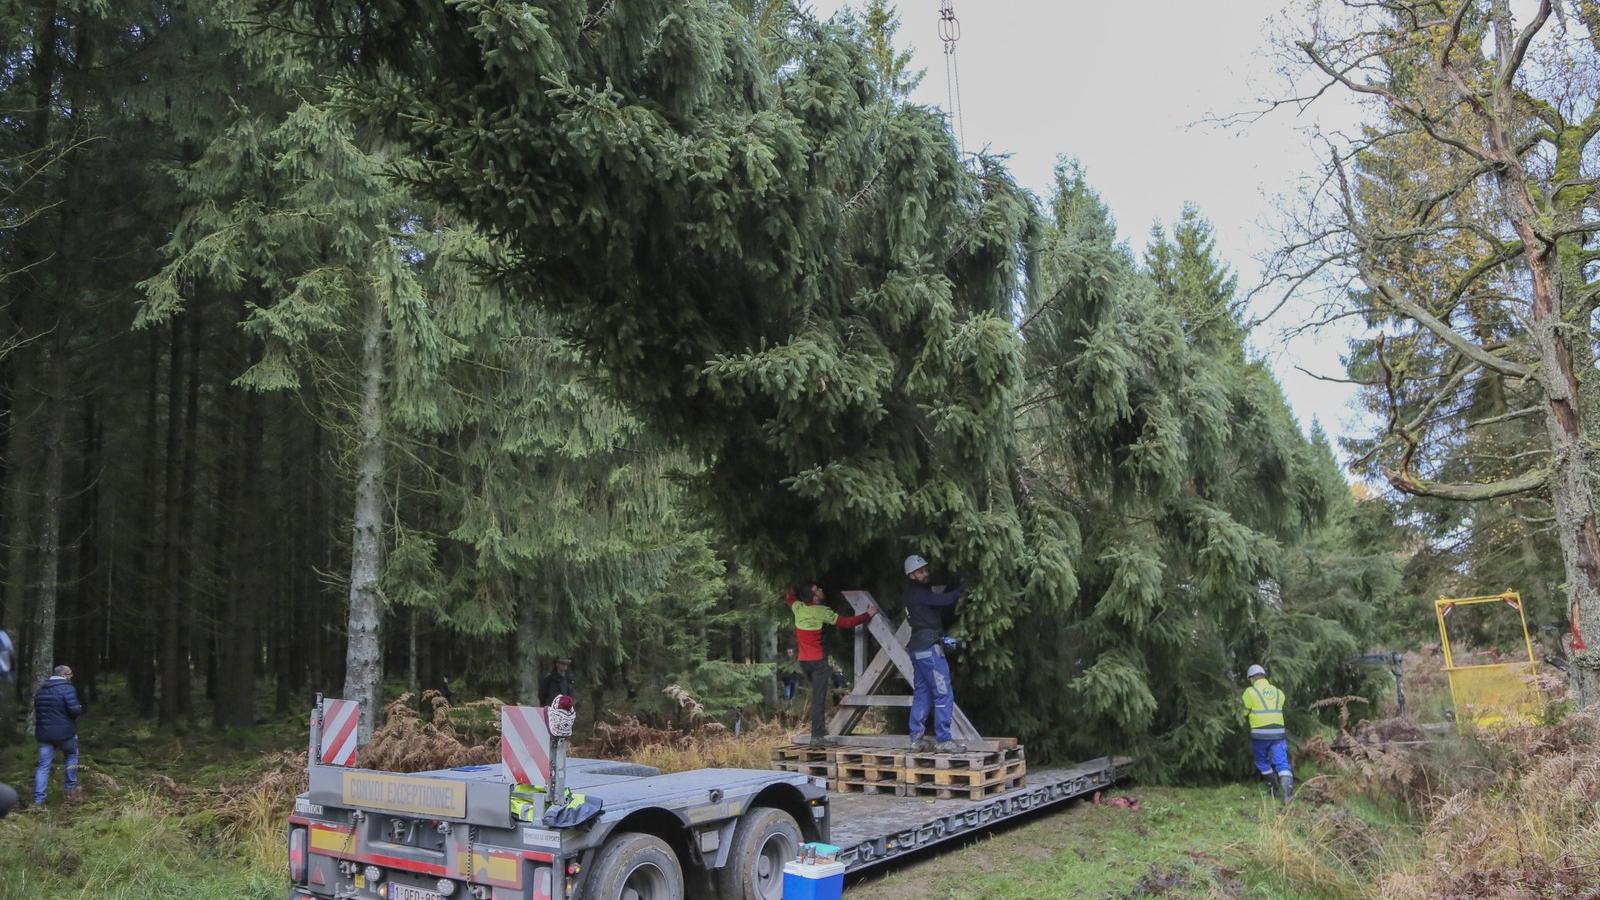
(872, 681)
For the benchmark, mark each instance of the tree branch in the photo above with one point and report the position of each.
(1506, 417)
(1507, 253)
(1421, 116)
(1510, 487)
(1508, 68)
(1330, 378)
(1394, 297)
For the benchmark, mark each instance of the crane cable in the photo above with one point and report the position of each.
(949, 33)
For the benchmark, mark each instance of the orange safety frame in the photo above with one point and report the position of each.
(1490, 694)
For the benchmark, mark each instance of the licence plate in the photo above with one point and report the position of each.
(407, 892)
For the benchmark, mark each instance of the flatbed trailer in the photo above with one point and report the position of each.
(874, 829)
(454, 834)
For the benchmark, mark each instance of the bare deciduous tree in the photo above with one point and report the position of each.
(1461, 222)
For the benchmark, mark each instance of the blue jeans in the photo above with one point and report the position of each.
(47, 752)
(931, 690)
(1271, 755)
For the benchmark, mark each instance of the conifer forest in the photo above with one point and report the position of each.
(375, 347)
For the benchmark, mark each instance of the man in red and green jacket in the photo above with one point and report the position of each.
(809, 617)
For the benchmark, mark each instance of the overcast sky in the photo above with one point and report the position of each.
(1125, 88)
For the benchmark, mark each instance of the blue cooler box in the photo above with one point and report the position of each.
(819, 881)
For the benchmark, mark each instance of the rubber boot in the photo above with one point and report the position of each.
(1286, 785)
(950, 747)
(1272, 783)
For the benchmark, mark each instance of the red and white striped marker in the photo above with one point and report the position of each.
(525, 744)
(341, 719)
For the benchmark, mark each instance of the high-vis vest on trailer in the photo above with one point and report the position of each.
(1265, 705)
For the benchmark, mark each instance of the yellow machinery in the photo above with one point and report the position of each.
(1490, 694)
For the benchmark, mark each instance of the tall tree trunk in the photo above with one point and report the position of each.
(364, 631)
(245, 629)
(20, 444)
(1573, 498)
(284, 623)
(188, 587)
(224, 539)
(80, 646)
(314, 525)
(173, 666)
(1570, 490)
(44, 609)
(140, 668)
(527, 661)
(412, 683)
(769, 654)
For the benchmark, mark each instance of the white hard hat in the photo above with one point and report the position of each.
(915, 562)
(1255, 672)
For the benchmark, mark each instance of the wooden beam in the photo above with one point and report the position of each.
(888, 639)
(893, 644)
(874, 700)
(903, 742)
(870, 682)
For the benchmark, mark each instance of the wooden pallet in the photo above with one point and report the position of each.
(870, 773)
(966, 777)
(986, 759)
(875, 757)
(802, 753)
(814, 769)
(851, 786)
(954, 792)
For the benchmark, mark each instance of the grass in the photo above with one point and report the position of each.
(158, 816)
(141, 845)
(200, 814)
(1185, 842)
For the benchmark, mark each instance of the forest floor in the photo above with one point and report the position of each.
(200, 815)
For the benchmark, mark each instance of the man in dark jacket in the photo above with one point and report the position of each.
(556, 682)
(55, 727)
(8, 800)
(929, 611)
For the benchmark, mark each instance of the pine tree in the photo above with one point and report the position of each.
(794, 276)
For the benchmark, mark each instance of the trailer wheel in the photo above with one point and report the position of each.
(636, 866)
(765, 839)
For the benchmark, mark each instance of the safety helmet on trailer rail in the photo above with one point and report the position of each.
(1255, 672)
(915, 562)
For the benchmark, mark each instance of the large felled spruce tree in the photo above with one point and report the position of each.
(875, 347)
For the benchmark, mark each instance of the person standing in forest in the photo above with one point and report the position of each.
(1269, 740)
(809, 617)
(8, 658)
(930, 612)
(8, 674)
(556, 682)
(55, 727)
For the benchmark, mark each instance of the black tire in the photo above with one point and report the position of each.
(763, 842)
(635, 866)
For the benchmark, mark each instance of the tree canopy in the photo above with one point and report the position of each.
(451, 336)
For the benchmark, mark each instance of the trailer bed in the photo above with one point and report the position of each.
(872, 829)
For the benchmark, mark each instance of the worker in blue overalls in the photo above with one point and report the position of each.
(930, 610)
(1263, 704)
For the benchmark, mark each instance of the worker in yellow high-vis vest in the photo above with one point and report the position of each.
(1263, 704)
